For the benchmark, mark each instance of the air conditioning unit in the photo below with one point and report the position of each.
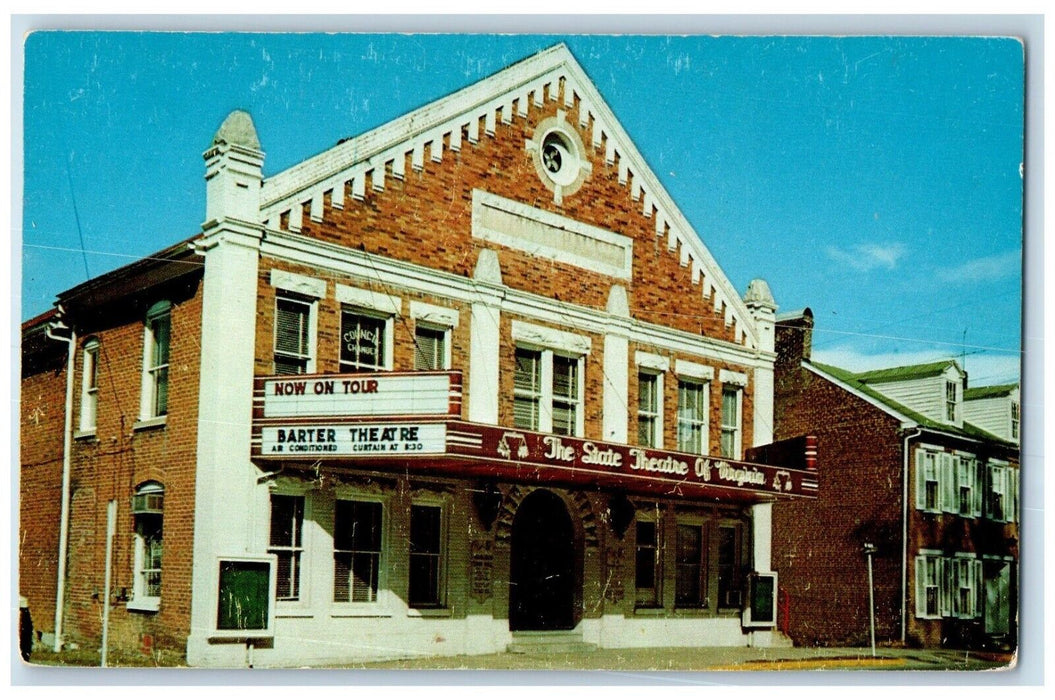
(761, 607)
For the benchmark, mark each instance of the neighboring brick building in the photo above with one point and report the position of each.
(465, 378)
(904, 471)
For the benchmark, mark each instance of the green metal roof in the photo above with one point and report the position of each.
(853, 380)
(893, 374)
(988, 392)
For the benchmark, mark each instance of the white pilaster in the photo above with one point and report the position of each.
(224, 509)
(616, 394)
(485, 340)
(762, 515)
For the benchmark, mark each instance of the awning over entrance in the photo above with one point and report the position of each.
(408, 422)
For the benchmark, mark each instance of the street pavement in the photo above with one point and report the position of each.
(717, 659)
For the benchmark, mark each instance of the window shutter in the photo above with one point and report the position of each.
(948, 484)
(979, 589)
(921, 586)
(1011, 482)
(944, 586)
(976, 488)
(921, 480)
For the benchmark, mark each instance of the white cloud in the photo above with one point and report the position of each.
(982, 369)
(869, 256)
(992, 267)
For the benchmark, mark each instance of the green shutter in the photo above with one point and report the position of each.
(921, 479)
(921, 586)
(947, 484)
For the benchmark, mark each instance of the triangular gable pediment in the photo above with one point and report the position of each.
(367, 160)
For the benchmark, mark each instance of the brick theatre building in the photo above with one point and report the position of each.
(466, 382)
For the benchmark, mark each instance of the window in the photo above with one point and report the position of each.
(649, 421)
(356, 551)
(964, 574)
(527, 389)
(156, 362)
(426, 560)
(969, 494)
(147, 510)
(951, 391)
(692, 417)
(430, 348)
(547, 392)
(730, 565)
(565, 395)
(89, 385)
(287, 524)
(294, 319)
(690, 585)
(1001, 493)
(646, 564)
(731, 422)
(927, 481)
(363, 341)
(929, 569)
(1015, 418)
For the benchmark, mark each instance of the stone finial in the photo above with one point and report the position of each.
(237, 130)
(758, 294)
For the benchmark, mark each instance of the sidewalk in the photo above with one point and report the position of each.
(736, 659)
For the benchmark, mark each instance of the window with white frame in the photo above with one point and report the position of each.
(1001, 492)
(566, 398)
(157, 339)
(951, 401)
(430, 347)
(731, 422)
(287, 543)
(547, 391)
(527, 389)
(969, 491)
(928, 481)
(690, 576)
(964, 572)
(294, 335)
(929, 577)
(1015, 419)
(364, 341)
(148, 504)
(692, 417)
(357, 542)
(646, 564)
(425, 586)
(649, 409)
(89, 385)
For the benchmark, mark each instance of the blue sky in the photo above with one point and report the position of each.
(875, 180)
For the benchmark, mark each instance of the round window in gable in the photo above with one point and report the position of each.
(559, 158)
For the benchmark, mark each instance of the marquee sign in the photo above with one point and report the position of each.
(359, 439)
(360, 395)
(410, 421)
(630, 463)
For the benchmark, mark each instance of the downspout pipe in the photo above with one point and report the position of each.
(904, 529)
(67, 446)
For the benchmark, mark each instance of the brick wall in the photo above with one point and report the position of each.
(426, 219)
(108, 465)
(817, 545)
(42, 416)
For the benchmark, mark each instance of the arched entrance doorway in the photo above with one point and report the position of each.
(542, 565)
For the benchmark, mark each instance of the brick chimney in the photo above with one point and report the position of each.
(794, 337)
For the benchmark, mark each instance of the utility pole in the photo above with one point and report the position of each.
(869, 550)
